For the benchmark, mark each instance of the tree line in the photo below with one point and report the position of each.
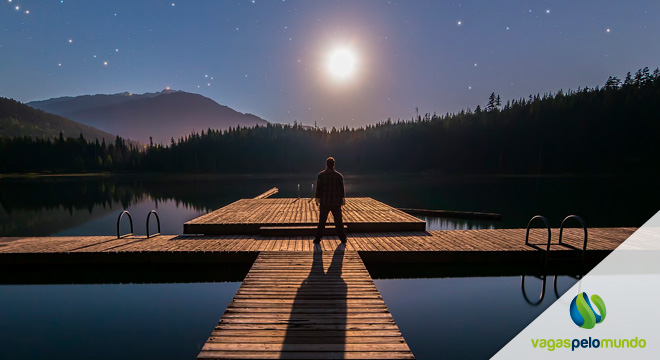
(612, 129)
(66, 155)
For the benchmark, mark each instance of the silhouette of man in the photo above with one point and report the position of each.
(330, 197)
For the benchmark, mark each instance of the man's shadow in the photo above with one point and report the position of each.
(318, 315)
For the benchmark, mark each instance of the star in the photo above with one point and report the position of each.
(173, 4)
(460, 22)
(507, 28)
(469, 87)
(70, 41)
(547, 11)
(59, 64)
(27, 12)
(116, 50)
(475, 64)
(105, 63)
(607, 30)
(17, 8)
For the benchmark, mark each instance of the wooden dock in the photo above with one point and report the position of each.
(307, 301)
(312, 305)
(248, 216)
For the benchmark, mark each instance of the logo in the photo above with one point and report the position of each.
(584, 316)
(583, 313)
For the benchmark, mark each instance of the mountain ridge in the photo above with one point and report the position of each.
(160, 116)
(18, 120)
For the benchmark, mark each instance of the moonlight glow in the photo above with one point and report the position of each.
(342, 63)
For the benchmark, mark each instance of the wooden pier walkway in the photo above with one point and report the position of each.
(311, 305)
(247, 216)
(452, 246)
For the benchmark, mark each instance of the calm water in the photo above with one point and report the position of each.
(465, 318)
(127, 321)
(172, 320)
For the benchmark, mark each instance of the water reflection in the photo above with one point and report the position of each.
(69, 205)
(439, 223)
(60, 205)
(49, 205)
(541, 296)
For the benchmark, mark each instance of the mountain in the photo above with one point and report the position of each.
(162, 116)
(18, 119)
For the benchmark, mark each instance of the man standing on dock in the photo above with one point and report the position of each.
(330, 198)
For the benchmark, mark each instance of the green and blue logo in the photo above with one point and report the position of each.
(584, 316)
(583, 313)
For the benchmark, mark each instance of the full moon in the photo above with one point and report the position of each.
(342, 63)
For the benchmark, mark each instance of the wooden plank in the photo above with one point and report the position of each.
(268, 193)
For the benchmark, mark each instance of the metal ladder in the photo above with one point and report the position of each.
(130, 219)
(561, 234)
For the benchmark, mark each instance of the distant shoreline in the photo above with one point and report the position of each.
(41, 175)
(284, 175)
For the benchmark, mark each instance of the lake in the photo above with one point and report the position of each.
(170, 317)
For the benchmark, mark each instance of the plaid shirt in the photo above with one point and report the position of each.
(330, 188)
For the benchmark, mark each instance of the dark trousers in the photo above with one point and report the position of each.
(323, 218)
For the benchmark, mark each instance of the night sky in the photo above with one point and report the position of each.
(271, 58)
